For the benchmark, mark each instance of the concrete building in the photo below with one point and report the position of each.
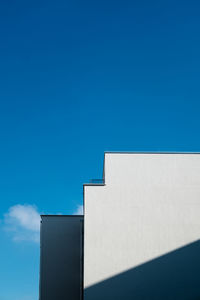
(61, 257)
(142, 229)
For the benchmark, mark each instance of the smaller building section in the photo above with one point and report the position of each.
(61, 257)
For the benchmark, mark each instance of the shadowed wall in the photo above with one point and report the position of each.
(60, 262)
(174, 276)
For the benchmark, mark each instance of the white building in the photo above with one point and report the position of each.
(142, 228)
(147, 209)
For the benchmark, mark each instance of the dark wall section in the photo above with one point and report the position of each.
(60, 258)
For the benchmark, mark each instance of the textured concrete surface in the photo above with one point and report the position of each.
(149, 207)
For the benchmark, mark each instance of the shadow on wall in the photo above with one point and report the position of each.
(173, 276)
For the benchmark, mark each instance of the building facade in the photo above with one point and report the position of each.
(142, 228)
(61, 257)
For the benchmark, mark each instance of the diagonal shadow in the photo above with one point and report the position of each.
(173, 276)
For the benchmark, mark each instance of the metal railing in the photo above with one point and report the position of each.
(100, 181)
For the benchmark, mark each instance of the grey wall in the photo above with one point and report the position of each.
(60, 261)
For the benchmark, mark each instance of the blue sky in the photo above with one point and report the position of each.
(78, 78)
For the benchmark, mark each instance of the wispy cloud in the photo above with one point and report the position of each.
(23, 222)
(79, 210)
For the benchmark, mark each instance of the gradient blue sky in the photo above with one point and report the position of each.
(79, 78)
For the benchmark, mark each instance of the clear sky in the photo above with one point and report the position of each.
(78, 78)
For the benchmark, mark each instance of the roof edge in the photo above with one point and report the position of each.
(151, 152)
(61, 216)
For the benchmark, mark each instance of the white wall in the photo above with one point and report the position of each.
(149, 206)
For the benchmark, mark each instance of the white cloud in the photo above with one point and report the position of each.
(79, 210)
(23, 222)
